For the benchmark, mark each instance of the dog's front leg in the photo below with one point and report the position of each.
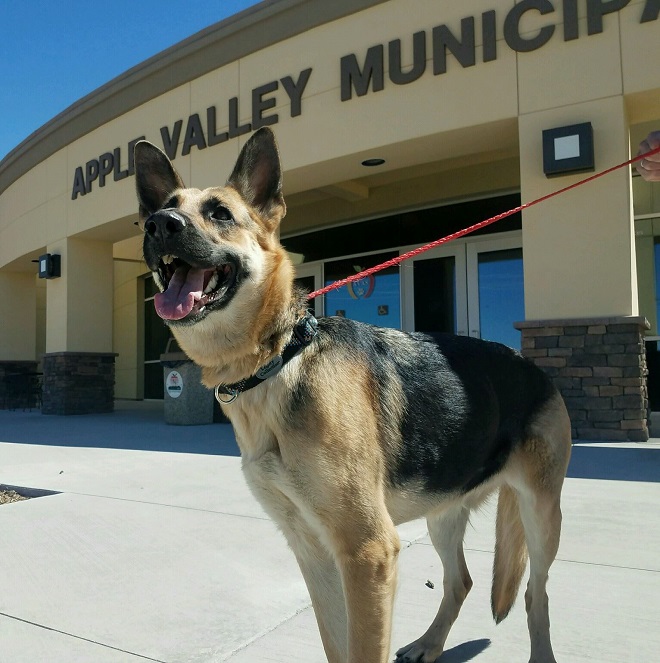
(325, 589)
(369, 571)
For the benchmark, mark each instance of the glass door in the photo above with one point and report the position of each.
(472, 287)
(156, 336)
(310, 278)
(496, 295)
(374, 299)
(435, 287)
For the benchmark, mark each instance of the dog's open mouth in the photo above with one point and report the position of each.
(190, 291)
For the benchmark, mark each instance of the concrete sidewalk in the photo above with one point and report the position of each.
(151, 548)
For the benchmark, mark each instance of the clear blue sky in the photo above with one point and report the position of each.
(54, 53)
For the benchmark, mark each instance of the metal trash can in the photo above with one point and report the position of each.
(187, 402)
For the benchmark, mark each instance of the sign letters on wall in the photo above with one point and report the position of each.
(361, 76)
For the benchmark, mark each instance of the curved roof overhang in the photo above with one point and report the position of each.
(251, 30)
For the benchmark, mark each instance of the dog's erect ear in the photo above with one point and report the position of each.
(155, 177)
(257, 176)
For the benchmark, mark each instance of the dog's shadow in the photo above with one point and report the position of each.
(464, 652)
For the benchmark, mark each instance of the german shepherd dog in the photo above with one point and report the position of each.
(436, 423)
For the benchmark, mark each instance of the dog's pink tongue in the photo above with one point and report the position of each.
(185, 287)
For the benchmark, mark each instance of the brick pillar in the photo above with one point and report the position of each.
(78, 382)
(599, 367)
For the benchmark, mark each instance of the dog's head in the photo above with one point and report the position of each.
(214, 254)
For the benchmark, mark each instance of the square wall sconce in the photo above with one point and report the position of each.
(50, 266)
(568, 150)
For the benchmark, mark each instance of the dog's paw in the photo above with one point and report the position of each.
(418, 652)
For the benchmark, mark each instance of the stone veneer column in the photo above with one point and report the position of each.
(78, 382)
(599, 367)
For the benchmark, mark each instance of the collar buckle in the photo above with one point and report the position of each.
(306, 329)
(229, 394)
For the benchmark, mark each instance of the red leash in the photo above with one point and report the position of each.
(471, 229)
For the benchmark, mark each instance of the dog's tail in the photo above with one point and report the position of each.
(510, 554)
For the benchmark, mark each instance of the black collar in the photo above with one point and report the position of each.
(303, 334)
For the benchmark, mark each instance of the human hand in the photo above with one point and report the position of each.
(649, 167)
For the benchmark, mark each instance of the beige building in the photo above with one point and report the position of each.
(398, 121)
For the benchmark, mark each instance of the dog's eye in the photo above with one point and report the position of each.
(220, 214)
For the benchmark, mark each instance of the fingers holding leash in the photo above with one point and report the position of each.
(649, 167)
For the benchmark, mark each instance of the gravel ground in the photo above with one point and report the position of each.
(7, 496)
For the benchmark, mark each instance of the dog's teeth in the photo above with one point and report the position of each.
(212, 283)
(168, 259)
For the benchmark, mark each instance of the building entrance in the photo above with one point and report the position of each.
(470, 288)
(156, 337)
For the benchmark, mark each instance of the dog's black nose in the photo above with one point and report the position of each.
(165, 223)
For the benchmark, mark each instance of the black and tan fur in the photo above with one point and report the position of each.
(365, 428)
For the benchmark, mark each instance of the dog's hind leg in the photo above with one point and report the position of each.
(543, 461)
(541, 516)
(446, 530)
